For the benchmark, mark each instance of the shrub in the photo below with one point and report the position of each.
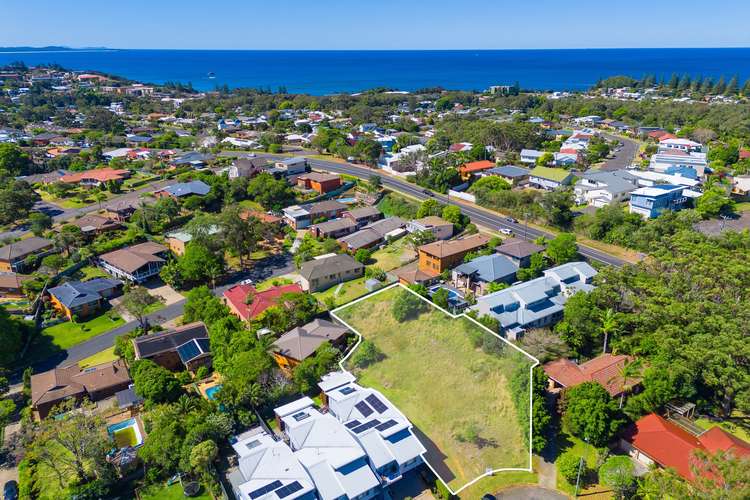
(618, 473)
(407, 306)
(568, 464)
(367, 353)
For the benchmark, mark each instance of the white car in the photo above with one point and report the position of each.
(506, 231)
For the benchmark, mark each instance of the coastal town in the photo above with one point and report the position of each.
(251, 294)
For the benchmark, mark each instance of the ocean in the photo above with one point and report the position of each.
(326, 72)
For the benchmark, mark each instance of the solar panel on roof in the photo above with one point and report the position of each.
(352, 424)
(368, 425)
(347, 390)
(362, 407)
(288, 489)
(386, 425)
(188, 351)
(204, 344)
(300, 416)
(376, 403)
(265, 489)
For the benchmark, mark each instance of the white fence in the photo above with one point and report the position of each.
(463, 196)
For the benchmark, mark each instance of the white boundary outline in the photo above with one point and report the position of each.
(452, 316)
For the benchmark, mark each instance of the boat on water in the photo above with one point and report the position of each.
(211, 74)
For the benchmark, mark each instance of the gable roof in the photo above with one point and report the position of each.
(199, 188)
(511, 171)
(363, 212)
(152, 344)
(301, 342)
(24, 247)
(518, 248)
(476, 166)
(603, 369)
(327, 266)
(553, 174)
(237, 295)
(443, 248)
(130, 259)
(93, 222)
(75, 293)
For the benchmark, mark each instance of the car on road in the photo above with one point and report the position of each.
(10, 490)
(511, 219)
(427, 192)
(350, 159)
(506, 231)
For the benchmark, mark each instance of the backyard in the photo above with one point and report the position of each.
(456, 395)
(393, 255)
(173, 492)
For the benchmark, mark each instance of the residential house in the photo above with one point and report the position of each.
(13, 256)
(519, 251)
(335, 228)
(692, 165)
(121, 210)
(363, 216)
(374, 234)
(686, 145)
(186, 347)
(182, 189)
(83, 299)
(135, 263)
(328, 270)
(96, 177)
(440, 228)
(178, 240)
(536, 303)
(438, 256)
(531, 155)
(53, 387)
(475, 167)
(301, 342)
(93, 225)
(384, 433)
(293, 166)
(652, 201)
(194, 159)
(477, 274)
(268, 469)
(600, 189)
(247, 303)
(302, 216)
(319, 182)
(550, 178)
(603, 369)
(335, 461)
(11, 285)
(513, 175)
(655, 440)
(247, 167)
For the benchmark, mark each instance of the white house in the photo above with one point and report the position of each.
(599, 189)
(530, 155)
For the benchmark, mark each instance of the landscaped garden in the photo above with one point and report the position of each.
(449, 377)
(172, 492)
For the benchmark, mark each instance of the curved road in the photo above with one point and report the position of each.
(478, 215)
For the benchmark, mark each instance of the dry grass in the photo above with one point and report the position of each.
(433, 373)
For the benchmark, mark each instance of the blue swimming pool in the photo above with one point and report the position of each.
(126, 433)
(348, 201)
(211, 392)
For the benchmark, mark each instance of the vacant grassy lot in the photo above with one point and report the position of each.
(68, 334)
(456, 395)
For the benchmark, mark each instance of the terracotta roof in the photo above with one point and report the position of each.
(130, 259)
(717, 439)
(744, 153)
(261, 300)
(442, 248)
(98, 174)
(412, 274)
(603, 369)
(476, 166)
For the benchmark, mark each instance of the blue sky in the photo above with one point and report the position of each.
(375, 24)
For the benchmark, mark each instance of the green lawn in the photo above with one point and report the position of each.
(90, 272)
(68, 334)
(742, 432)
(581, 449)
(100, 357)
(457, 395)
(265, 285)
(156, 306)
(349, 291)
(173, 492)
(743, 206)
(395, 255)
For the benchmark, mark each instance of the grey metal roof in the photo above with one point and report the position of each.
(615, 182)
(489, 268)
(188, 188)
(24, 247)
(76, 293)
(509, 171)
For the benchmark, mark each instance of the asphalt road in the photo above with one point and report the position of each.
(624, 157)
(478, 216)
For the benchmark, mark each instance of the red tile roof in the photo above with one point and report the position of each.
(744, 153)
(237, 295)
(476, 166)
(98, 174)
(603, 369)
(671, 446)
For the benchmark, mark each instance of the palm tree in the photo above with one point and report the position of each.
(186, 404)
(609, 325)
(100, 197)
(629, 372)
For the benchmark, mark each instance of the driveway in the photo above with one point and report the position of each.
(530, 493)
(160, 289)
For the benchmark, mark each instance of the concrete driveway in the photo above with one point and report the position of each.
(161, 289)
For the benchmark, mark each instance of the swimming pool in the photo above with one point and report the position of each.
(126, 433)
(211, 391)
(347, 201)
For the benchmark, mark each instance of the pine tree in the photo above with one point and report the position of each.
(650, 80)
(695, 86)
(746, 88)
(719, 86)
(706, 86)
(674, 81)
(684, 82)
(731, 86)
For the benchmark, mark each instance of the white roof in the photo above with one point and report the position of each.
(334, 380)
(681, 142)
(647, 175)
(293, 407)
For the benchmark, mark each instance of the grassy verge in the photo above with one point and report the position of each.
(104, 356)
(429, 364)
(68, 334)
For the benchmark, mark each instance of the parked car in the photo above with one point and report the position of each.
(506, 231)
(511, 219)
(10, 490)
